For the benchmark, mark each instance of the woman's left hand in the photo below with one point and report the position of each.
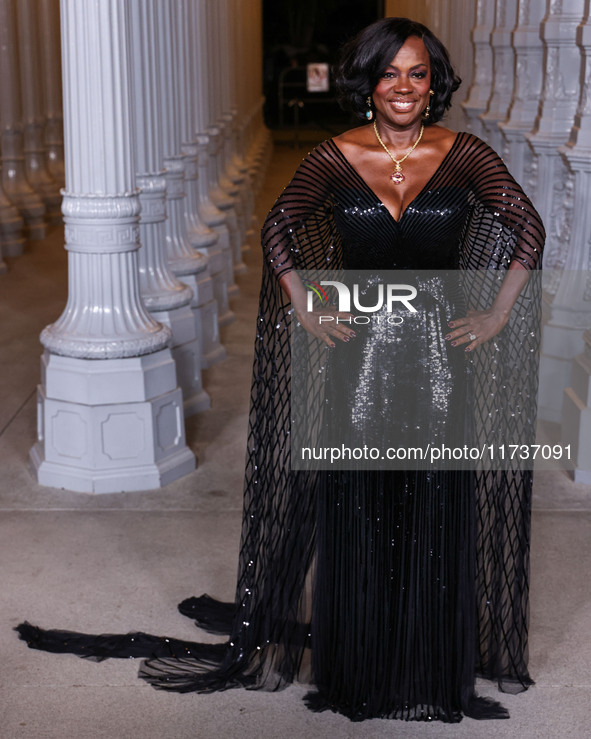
(477, 327)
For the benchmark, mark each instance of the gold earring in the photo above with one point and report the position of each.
(369, 111)
(428, 108)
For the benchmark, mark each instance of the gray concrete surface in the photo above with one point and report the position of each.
(122, 562)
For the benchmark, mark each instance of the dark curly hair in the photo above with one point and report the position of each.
(365, 58)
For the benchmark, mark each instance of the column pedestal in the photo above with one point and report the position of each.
(187, 353)
(11, 228)
(113, 426)
(576, 413)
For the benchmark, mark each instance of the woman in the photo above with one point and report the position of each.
(393, 587)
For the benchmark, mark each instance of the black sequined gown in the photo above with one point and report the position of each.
(388, 591)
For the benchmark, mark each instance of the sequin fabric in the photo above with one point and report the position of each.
(387, 591)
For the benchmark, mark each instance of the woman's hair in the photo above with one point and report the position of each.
(365, 58)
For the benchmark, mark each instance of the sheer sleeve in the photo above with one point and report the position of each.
(298, 232)
(504, 213)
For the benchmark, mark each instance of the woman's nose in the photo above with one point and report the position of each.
(402, 83)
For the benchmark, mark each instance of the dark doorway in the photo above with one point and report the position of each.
(297, 33)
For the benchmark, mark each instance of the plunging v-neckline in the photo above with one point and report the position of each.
(398, 220)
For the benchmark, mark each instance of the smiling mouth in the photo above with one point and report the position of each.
(402, 105)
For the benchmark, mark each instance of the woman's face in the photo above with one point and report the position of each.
(402, 94)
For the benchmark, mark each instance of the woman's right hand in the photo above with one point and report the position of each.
(326, 323)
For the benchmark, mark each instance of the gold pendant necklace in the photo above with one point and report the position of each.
(397, 177)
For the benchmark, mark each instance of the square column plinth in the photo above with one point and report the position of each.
(576, 414)
(110, 426)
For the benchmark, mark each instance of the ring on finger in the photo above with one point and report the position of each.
(472, 337)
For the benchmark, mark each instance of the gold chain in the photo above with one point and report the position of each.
(397, 177)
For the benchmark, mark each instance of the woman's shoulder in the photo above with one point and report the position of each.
(475, 145)
(354, 136)
(321, 155)
(325, 161)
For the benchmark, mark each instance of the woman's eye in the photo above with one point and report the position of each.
(420, 75)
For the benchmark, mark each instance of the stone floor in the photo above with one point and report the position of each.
(123, 561)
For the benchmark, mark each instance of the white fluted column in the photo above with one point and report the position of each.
(529, 69)
(231, 180)
(240, 41)
(200, 235)
(571, 306)
(553, 126)
(14, 178)
(235, 42)
(453, 21)
(213, 85)
(503, 66)
(576, 413)
(166, 298)
(556, 199)
(256, 138)
(51, 75)
(480, 90)
(33, 111)
(110, 410)
(208, 211)
(188, 265)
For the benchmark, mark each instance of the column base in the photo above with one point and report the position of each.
(187, 353)
(205, 312)
(226, 318)
(108, 426)
(217, 268)
(212, 350)
(233, 291)
(576, 432)
(123, 480)
(189, 362)
(197, 404)
(14, 248)
(35, 228)
(583, 476)
(217, 354)
(560, 345)
(576, 414)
